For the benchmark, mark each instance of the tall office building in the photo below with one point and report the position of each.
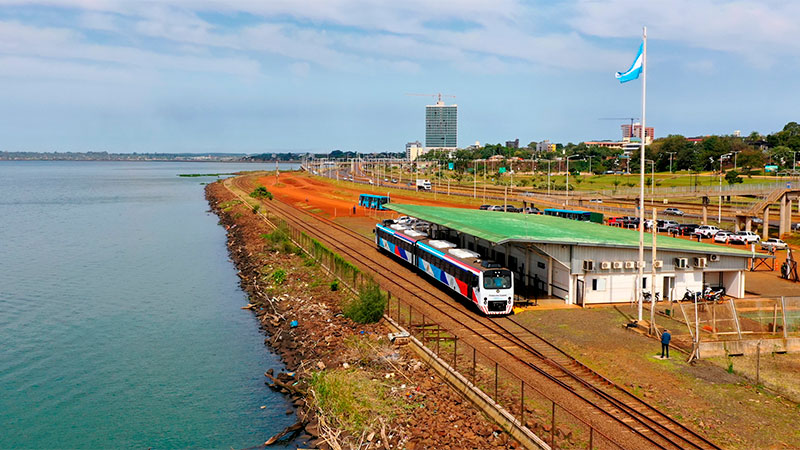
(628, 134)
(441, 126)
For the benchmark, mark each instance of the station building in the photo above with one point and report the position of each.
(583, 262)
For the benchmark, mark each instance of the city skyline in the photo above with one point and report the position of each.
(244, 77)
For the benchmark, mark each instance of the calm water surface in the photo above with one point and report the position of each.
(120, 319)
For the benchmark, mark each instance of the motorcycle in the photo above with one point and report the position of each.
(647, 296)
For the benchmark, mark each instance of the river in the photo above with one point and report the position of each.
(120, 319)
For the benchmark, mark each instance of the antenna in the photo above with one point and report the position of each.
(623, 118)
(439, 95)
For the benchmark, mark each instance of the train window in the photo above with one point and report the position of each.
(497, 279)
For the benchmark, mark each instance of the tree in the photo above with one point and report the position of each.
(750, 158)
(732, 177)
(781, 156)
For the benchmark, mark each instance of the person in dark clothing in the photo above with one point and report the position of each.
(354, 210)
(665, 338)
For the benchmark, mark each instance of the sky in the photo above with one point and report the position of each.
(247, 76)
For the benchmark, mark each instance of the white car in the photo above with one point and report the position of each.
(673, 211)
(722, 237)
(707, 231)
(774, 244)
(745, 237)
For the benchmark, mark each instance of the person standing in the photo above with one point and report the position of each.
(665, 338)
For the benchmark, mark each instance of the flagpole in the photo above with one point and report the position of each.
(643, 136)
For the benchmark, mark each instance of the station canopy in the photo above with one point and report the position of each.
(502, 227)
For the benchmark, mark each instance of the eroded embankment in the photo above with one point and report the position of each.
(351, 387)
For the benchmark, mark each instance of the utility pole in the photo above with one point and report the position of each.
(670, 161)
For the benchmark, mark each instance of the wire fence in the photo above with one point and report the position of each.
(534, 409)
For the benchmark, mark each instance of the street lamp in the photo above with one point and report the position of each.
(568, 157)
(670, 160)
(548, 173)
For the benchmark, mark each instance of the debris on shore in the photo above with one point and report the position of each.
(349, 384)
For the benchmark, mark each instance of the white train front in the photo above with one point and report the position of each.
(485, 283)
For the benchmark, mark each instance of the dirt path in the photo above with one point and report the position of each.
(726, 406)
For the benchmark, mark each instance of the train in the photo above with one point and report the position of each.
(586, 216)
(483, 282)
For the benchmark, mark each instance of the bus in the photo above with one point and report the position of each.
(586, 216)
(485, 283)
(373, 201)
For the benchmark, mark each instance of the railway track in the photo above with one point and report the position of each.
(618, 415)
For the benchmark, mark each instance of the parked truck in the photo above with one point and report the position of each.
(423, 184)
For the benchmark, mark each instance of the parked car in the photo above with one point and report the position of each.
(687, 229)
(615, 221)
(673, 211)
(485, 207)
(706, 231)
(744, 237)
(795, 226)
(511, 208)
(665, 225)
(596, 200)
(722, 237)
(629, 222)
(394, 180)
(531, 210)
(495, 208)
(774, 244)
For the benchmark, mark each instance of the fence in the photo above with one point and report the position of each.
(744, 318)
(534, 409)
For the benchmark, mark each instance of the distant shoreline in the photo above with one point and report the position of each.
(244, 161)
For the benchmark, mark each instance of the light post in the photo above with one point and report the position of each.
(475, 178)
(670, 160)
(735, 154)
(652, 177)
(568, 157)
(548, 173)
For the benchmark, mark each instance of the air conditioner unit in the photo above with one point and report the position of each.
(681, 263)
(605, 265)
(640, 264)
(629, 264)
(713, 258)
(658, 264)
(700, 262)
(617, 264)
(588, 265)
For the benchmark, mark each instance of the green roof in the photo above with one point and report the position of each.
(500, 227)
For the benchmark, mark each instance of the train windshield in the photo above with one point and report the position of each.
(497, 279)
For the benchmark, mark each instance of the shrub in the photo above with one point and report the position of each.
(335, 285)
(368, 306)
(261, 192)
(279, 276)
(256, 208)
(352, 399)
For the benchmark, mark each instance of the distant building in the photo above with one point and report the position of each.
(474, 146)
(605, 144)
(628, 134)
(441, 126)
(414, 150)
(513, 144)
(545, 146)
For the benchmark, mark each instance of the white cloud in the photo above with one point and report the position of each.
(758, 30)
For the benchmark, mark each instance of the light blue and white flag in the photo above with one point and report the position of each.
(635, 70)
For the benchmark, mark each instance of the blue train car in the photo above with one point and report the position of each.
(373, 201)
(586, 216)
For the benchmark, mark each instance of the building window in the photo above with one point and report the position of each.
(598, 284)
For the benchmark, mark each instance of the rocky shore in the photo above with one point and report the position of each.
(351, 387)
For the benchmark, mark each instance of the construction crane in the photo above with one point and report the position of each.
(439, 95)
(632, 119)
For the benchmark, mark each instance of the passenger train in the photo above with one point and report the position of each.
(483, 282)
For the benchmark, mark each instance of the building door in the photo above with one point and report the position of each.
(668, 287)
(579, 292)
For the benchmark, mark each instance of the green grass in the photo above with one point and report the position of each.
(227, 206)
(352, 400)
(368, 307)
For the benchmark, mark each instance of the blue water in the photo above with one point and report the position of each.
(120, 319)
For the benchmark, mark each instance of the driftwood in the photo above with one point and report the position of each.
(281, 384)
(290, 429)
